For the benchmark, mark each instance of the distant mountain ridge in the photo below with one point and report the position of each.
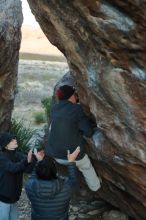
(34, 41)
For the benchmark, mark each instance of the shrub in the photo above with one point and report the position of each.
(46, 103)
(39, 117)
(23, 133)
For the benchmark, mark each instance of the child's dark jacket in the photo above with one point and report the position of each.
(12, 166)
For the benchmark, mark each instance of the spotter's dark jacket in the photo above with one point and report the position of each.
(50, 198)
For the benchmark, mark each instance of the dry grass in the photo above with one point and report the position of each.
(36, 80)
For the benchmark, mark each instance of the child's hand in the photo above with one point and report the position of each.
(29, 156)
(72, 157)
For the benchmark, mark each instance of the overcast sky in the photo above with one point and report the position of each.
(28, 17)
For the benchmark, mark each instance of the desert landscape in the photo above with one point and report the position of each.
(34, 41)
(41, 65)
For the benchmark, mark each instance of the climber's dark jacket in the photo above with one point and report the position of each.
(68, 126)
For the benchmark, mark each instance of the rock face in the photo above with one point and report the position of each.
(10, 37)
(104, 43)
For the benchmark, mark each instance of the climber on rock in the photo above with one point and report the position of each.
(68, 126)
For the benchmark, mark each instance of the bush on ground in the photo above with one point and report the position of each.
(46, 103)
(23, 134)
(39, 117)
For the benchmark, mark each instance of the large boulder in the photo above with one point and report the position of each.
(104, 43)
(10, 38)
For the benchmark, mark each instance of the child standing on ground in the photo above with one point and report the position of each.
(12, 166)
